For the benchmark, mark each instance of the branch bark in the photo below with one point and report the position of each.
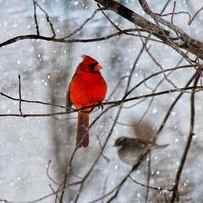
(183, 41)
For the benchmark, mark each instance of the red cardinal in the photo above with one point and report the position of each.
(86, 88)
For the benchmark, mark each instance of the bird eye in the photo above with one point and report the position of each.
(93, 66)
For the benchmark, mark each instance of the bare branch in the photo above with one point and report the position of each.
(173, 105)
(189, 140)
(195, 15)
(149, 186)
(20, 96)
(35, 18)
(47, 19)
(166, 36)
(84, 23)
(31, 101)
(63, 40)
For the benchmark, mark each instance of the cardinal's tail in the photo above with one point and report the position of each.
(82, 139)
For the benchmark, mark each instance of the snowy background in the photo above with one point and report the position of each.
(28, 144)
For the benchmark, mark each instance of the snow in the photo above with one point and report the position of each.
(27, 144)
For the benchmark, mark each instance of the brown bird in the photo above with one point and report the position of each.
(131, 149)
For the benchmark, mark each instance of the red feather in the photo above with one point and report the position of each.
(86, 88)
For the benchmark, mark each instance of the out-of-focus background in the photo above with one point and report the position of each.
(28, 145)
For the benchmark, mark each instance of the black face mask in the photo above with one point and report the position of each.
(93, 66)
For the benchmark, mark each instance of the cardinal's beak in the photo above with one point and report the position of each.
(98, 67)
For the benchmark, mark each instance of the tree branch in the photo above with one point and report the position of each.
(183, 41)
(189, 141)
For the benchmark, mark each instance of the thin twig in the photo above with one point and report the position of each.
(177, 13)
(20, 95)
(195, 15)
(47, 19)
(48, 174)
(148, 176)
(84, 23)
(165, 6)
(173, 11)
(149, 186)
(189, 140)
(109, 19)
(134, 168)
(31, 101)
(118, 187)
(98, 157)
(35, 18)
(173, 105)
(161, 67)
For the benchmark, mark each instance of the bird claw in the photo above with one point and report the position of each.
(68, 108)
(100, 106)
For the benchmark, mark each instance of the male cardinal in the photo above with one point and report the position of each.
(86, 88)
(130, 150)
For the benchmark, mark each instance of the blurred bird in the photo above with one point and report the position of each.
(131, 149)
(86, 88)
